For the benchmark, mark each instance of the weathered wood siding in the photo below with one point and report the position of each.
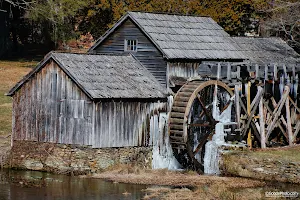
(181, 69)
(146, 53)
(51, 108)
(119, 124)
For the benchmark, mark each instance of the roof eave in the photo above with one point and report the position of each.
(12, 91)
(148, 36)
(37, 69)
(108, 32)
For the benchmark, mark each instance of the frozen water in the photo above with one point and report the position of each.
(162, 153)
(211, 157)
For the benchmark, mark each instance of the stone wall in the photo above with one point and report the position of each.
(60, 158)
(248, 165)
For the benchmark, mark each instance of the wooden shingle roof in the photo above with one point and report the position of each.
(266, 50)
(105, 76)
(182, 37)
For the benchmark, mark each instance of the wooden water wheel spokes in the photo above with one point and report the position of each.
(191, 120)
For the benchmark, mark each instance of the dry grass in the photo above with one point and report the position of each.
(128, 174)
(10, 72)
(216, 191)
(290, 154)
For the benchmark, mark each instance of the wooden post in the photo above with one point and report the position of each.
(238, 70)
(237, 104)
(219, 71)
(249, 139)
(257, 75)
(275, 72)
(266, 73)
(228, 71)
(288, 121)
(262, 124)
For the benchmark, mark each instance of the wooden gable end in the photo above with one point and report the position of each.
(146, 52)
(50, 107)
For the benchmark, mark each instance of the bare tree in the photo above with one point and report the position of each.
(283, 20)
(20, 3)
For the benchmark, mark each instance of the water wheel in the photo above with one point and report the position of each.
(191, 122)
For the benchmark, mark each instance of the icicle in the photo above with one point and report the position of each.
(216, 110)
(281, 85)
(162, 155)
(211, 157)
(296, 86)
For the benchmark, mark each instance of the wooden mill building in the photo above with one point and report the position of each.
(96, 100)
(110, 99)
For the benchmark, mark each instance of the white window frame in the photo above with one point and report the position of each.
(130, 45)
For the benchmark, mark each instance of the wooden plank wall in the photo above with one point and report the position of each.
(51, 108)
(147, 53)
(120, 124)
(182, 69)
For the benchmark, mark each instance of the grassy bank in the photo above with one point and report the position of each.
(188, 185)
(10, 72)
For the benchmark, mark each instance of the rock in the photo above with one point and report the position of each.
(33, 164)
(258, 169)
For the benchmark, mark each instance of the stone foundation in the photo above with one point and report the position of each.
(60, 158)
(251, 166)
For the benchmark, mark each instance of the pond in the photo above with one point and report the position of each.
(32, 185)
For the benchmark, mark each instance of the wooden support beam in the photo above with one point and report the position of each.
(277, 112)
(274, 103)
(266, 72)
(237, 105)
(253, 126)
(253, 110)
(238, 70)
(257, 74)
(262, 124)
(219, 71)
(294, 104)
(297, 129)
(275, 72)
(288, 121)
(272, 115)
(249, 138)
(228, 71)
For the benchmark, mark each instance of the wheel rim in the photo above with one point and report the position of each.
(197, 123)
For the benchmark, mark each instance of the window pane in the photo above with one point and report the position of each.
(130, 45)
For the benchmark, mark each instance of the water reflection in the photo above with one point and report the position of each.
(30, 185)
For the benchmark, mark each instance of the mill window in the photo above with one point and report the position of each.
(130, 45)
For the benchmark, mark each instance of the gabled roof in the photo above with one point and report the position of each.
(266, 50)
(104, 76)
(181, 37)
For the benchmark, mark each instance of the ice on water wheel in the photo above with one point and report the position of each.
(191, 121)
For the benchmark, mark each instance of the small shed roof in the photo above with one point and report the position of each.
(182, 37)
(266, 50)
(105, 76)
